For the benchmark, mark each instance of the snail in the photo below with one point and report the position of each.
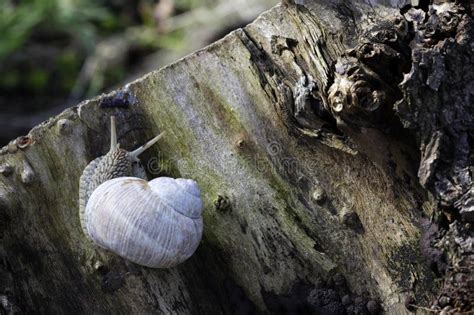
(155, 223)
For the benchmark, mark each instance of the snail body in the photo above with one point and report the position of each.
(156, 224)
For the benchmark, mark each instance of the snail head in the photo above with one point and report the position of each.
(120, 162)
(133, 155)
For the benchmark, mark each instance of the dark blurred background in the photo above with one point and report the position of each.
(56, 53)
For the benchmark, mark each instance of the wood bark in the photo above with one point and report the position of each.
(301, 195)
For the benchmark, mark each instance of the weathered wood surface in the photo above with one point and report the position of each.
(284, 203)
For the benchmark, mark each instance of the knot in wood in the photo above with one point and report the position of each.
(64, 126)
(355, 94)
(223, 203)
(6, 170)
(23, 142)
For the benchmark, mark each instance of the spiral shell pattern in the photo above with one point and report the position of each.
(156, 224)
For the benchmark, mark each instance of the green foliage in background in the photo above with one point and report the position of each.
(76, 18)
(46, 45)
(193, 4)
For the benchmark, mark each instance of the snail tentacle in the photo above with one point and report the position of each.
(113, 134)
(146, 146)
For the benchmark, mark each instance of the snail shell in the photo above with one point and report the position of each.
(155, 224)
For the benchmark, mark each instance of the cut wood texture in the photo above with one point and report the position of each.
(305, 188)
